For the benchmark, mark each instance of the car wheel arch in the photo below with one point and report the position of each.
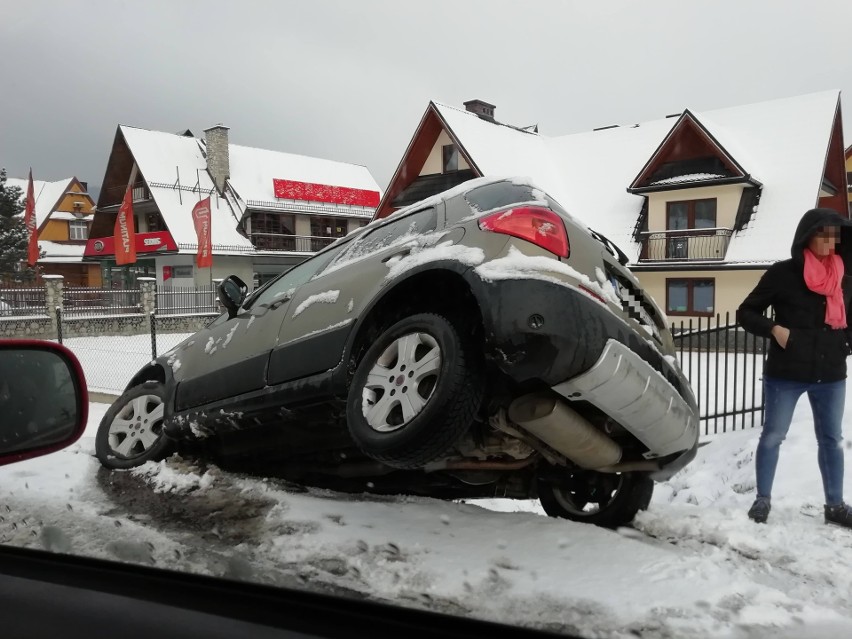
(407, 293)
(154, 372)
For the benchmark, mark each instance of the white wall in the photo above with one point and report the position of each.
(435, 161)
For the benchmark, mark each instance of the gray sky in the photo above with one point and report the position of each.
(349, 80)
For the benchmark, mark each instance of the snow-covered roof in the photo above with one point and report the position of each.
(253, 170)
(781, 143)
(175, 170)
(47, 195)
(56, 252)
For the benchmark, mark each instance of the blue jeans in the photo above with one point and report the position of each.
(827, 402)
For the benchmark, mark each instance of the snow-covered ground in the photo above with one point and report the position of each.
(694, 565)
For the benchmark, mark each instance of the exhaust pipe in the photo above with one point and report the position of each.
(562, 428)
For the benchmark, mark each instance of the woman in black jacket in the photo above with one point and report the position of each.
(810, 295)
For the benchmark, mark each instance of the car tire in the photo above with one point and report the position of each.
(415, 392)
(131, 431)
(619, 497)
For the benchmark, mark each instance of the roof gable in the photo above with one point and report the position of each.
(48, 195)
(690, 153)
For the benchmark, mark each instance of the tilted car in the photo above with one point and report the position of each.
(479, 343)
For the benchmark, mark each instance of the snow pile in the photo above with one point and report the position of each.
(694, 565)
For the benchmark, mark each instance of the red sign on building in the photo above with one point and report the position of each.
(160, 241)
(293, 190)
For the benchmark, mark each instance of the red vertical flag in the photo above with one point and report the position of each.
(30, 223)
(201, 220)
(125, 231)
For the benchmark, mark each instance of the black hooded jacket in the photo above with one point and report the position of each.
(815, 352)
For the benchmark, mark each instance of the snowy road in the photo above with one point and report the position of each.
(693, 566)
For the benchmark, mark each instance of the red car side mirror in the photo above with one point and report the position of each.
(44, 403)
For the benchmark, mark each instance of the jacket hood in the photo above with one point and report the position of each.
(813, 221)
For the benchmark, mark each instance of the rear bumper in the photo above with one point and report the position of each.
(639, 398)
(584, 351)
(538, 330)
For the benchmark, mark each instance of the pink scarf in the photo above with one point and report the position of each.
(823, 275)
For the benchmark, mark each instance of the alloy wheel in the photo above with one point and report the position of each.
(137, 426)
(401, 382)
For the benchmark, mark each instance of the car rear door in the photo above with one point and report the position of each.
(324, 310)
(232, 358)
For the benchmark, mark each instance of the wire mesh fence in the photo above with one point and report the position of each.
(110, 361)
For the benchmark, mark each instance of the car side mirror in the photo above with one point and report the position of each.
(232, 294)
(43, 399)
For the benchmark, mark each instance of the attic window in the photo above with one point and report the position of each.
(450, 159)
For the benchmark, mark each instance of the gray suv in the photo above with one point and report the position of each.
(479, 343)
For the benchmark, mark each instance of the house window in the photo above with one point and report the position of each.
(691, 214)
(685, 216)
(271, 231)
(690, 296)
(154, 222)
(327, 227)
(78, 230)
(451, 158)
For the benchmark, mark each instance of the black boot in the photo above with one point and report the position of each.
(759, 511)
(839, 515)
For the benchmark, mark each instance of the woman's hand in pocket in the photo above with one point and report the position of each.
(781, 335)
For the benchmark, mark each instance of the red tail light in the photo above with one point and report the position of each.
(535, 224)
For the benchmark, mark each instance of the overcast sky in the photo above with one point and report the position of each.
(349, 80)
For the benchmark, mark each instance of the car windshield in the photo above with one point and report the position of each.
(492, 358)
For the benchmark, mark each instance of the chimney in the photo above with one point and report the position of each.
(481, 108)
(218, 162)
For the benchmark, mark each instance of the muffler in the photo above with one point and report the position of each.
(562, 428)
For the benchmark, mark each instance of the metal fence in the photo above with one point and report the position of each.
(110, 361)
(724, 365)
(22, 301)
(85, 302)
(175, 300)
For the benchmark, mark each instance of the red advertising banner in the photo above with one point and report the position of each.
(201, 220)
(124, 233)
(292, 190)
(30, 223)
(160, 241)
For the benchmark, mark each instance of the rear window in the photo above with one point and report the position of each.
(398, 231)
(500, 194)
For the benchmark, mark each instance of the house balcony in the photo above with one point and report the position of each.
(693, 245)
(286, 242)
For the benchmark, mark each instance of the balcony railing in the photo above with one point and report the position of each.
(299, 243)
(685, 245)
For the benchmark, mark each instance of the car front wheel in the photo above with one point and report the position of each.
(415, 392)
(131, 431)
(604, 499)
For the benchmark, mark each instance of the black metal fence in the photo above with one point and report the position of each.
(176, 300)
(84, 302)
(724, 365)
(21, 300)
